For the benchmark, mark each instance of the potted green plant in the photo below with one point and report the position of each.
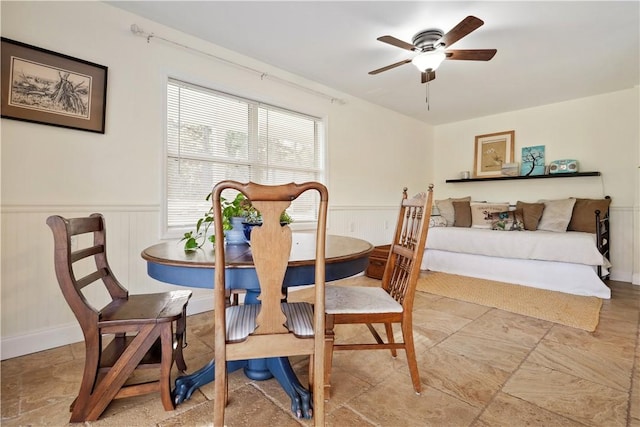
(235, 208)
(253, 218)
(238, 216)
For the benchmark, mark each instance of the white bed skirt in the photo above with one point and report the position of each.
(577, 279)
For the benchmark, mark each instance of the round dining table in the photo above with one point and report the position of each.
(170, 263)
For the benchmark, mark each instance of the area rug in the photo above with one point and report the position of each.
(571, 310)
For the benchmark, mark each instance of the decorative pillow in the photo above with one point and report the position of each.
(556, 215)
(583, 217)
(531, 214)
(462, 214)
(508, 220)
(445, 207)
(481, 213)
(437, 221)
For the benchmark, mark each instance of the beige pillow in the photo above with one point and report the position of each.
(556, 215)
(583, 217)
(445, 207)
(531, 213)
(481, 213)
(437, 221)
(462, 214)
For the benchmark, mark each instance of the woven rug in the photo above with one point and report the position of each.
(571, 310)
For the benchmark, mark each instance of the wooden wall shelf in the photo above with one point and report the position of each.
(507, 178)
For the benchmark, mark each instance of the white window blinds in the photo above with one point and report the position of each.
(212, 136)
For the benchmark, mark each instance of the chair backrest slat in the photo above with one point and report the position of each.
(90, 278)
(87, 252)
(84, 225)
(405, 255)
(271, 247)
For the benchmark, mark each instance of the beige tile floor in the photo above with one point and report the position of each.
(479, 367)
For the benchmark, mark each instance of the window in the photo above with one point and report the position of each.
(212, 136)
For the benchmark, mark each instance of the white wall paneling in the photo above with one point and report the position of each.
(35, 315)
(624, 255)
(374, 224)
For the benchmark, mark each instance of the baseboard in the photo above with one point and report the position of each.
(45, 339)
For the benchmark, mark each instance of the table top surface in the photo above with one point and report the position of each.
(338, 249)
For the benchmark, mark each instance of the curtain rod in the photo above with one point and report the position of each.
(136, 30)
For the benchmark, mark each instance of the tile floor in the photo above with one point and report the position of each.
(479, 367)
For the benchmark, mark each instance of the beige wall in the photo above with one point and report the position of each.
(601, 132)
(134, 137)
(47, 170)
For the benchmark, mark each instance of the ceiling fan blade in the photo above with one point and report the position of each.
(466, 26)
(396, 42)
(428, 76)
(471, 54)
(388, 67)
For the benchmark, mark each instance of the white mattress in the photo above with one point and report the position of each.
(571, 246)
(572, 278)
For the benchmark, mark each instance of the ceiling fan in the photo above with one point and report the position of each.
(431, 45)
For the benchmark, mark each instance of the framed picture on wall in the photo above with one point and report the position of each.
(46, 87)
(491, 152)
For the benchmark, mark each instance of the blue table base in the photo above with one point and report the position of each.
(256, 369)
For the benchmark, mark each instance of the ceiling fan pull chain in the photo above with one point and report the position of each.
(427, 96)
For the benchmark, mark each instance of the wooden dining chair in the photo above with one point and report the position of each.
(392, 301)
(137, 328)
(272, 328)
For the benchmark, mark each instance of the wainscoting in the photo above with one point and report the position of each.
(35, 316)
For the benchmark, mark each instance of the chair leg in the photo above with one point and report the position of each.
(220, 389)
(166, 342)
(110, 384)
(80, 406)
(329, 339)
(181, 332)
(232, 297)
(389, 328)
(318, 387)
(407, 335)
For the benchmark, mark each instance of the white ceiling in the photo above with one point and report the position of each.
(547, 51)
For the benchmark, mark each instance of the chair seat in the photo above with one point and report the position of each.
(358, 299)
(241, 320)
(146, 308)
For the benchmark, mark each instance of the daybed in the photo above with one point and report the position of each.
(560, 245)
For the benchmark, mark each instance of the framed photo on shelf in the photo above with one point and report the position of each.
(491, 152)
(532, 161)
(46, 87)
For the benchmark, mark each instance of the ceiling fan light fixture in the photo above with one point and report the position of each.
(430, 60)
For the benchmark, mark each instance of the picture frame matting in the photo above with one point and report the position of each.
(491, 152)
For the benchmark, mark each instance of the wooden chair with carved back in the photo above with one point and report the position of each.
(392, 301)
(272, 328)
(140, 327)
